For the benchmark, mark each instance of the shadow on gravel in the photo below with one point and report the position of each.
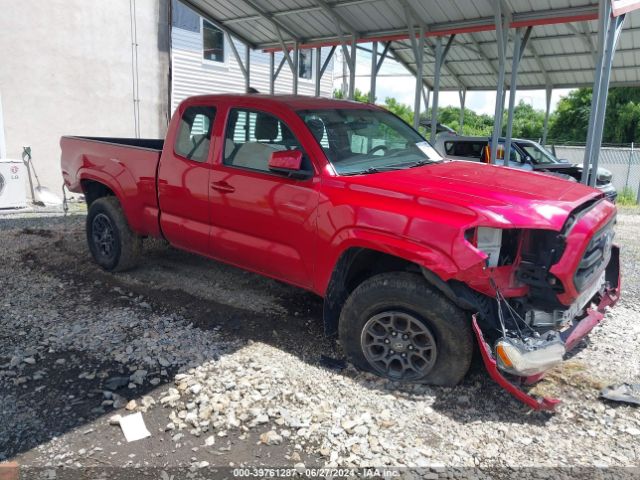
(65, 402)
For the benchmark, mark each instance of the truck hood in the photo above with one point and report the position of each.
(497, 196)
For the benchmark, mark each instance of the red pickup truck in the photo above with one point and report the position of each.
(414, 255)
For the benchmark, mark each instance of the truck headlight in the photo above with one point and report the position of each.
(530, 355)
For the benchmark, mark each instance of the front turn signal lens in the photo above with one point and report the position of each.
(503, 356)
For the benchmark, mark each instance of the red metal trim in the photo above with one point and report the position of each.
(554, 20)
(620, 7)
(483, 27)
(543, 403)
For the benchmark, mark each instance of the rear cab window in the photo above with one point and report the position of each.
(193, 139)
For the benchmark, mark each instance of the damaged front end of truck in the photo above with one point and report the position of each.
(538, 292)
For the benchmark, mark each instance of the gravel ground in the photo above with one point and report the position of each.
(227, 369)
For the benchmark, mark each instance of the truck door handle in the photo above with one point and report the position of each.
(223, 187)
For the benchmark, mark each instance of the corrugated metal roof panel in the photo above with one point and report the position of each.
(564, 50)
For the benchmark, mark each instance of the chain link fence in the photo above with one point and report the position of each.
(623, 161)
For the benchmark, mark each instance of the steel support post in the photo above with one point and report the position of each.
(322, 67)
(426, 96)
(352, 68)
(547, 111)
(374, 72)
(603, 22)
(502, 26)
(607, 39)
(318, 71)
(417, 45)
(519, 44)
(272, 75)
(417, 99)
(295, 68)
(244, 66)
(247, 68)
(462, 93)
(436, 88)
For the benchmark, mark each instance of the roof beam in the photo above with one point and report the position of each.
(340, 22)
(299, 10)
(584, 33)
(425, 29)
(482, 53)
(336, 18)
(539, 17)
(543, 57)
(408, 66)
(272, 20)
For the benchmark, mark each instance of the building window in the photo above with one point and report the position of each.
(305, 64)
(212, 42)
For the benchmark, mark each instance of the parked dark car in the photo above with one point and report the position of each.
(525, 154)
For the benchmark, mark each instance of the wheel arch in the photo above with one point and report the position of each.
(357, 264)
(95, 189)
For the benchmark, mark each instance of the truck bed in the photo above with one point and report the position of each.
(127, 166)
(146, 143)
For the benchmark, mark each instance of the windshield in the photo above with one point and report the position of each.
(538, 153)
(367, 141)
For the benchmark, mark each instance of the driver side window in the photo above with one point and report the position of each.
(252, 136)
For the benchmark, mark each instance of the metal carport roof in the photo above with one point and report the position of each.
(454, 45)
(560, 51)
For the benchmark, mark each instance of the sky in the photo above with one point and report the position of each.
(395, 81)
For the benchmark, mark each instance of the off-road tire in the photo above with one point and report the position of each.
(410, 293)
(126, 245)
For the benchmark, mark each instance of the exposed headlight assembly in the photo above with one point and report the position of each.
(500, 245)
(531, 355)
(487, 240)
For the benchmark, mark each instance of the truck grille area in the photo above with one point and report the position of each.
(595, 258)
(541, 250)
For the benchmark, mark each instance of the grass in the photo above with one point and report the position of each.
(573, 374)
(626, 198)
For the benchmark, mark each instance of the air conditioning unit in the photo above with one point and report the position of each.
(13, 176)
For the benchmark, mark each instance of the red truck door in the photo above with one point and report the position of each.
(261, 220)
(183, 179)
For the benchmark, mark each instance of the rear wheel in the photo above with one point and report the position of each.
(112, 243)
(398, 327)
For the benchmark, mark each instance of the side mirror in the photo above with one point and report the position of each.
(288, 162)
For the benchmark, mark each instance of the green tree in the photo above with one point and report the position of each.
(474, 124)
(358, 95)
(570, 121)
(402, 110)
(527, 121)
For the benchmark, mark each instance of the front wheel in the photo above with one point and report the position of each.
(397, 326)
(112, 243)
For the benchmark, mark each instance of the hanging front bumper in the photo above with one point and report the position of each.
(570, 337)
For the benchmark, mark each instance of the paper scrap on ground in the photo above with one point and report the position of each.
(133, 427)
(625, 392)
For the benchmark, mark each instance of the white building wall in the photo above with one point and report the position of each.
(66, 69)
(192, 75)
